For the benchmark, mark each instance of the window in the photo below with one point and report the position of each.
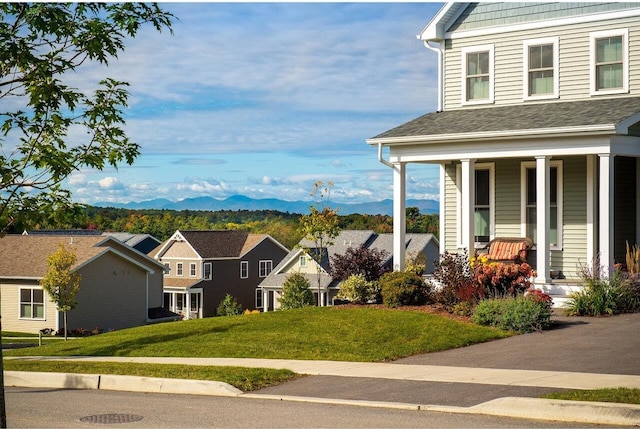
(207, 271)
(32, 304)
(192, 269)
(609, 62)
(484, 203)
(541, 68)
(265, 268)
(303, 261)
(529, 206)
(244, 269)
(178, 268)
(477, 76)
(258, 298)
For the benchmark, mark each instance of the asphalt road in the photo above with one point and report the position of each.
(62, 408)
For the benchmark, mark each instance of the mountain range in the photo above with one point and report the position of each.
(241, 202)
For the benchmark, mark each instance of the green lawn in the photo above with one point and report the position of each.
(329, 333)
(619, 395)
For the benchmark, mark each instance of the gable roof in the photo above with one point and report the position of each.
(217, 244)
(608, 116)
(25, 256)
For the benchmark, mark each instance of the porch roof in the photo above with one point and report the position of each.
(610, 116)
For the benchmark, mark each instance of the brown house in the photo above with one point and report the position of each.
(120, 286)
(204, 266)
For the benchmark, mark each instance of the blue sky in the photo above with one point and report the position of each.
(264, 99)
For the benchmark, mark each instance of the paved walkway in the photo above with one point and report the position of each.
(504, 377)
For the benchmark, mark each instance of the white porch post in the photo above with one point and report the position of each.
(592, 193)
(606, 212)
(468, 205)
(399, 215)
(543, 176)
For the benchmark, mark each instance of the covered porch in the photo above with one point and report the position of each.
(564, 174)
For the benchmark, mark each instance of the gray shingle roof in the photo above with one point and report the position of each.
(610, 111)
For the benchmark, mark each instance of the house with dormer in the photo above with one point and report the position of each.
(303, 261)
(203, 266)
(536, 132)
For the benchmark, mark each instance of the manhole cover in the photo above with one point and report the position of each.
(108, 419)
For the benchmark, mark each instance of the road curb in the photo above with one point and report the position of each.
(605, 413)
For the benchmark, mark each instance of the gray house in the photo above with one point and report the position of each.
(536, 133)
(204, 266)
(298, 261)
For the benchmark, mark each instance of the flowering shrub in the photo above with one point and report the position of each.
(499, 279)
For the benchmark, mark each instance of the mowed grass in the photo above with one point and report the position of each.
(245, 379)
(618, 395)
(329, 333)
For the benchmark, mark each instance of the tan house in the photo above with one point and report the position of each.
(536, 133)
(203, 266)
(120, 286)
(299, 261)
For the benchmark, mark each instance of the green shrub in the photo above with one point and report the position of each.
(229, 306)
(358, 290)
(296, 292)
(400, 288)
(521, 313)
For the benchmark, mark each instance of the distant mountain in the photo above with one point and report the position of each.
(241, 202)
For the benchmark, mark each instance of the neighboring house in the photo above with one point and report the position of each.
(144, 243)
(537, 132)
(204, 266)
(120, 287)
(299, 261)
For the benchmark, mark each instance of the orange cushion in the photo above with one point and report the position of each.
(505, 250)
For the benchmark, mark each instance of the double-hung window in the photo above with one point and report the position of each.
(265, 268)
(529, 213)
(541, 68)
(609, 62)
(32, 304)
(478, 76)
(207, 271)
(484, 215)
(244, 269)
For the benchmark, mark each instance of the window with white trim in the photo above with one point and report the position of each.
(179, 268)
(477, 74)
(192, 269)
(258, 298)
(609, 61)
(541, 77)
(484, 206)
(244, 269)
(32, 303)
(207, 271)
(265, 268)
(528, 215)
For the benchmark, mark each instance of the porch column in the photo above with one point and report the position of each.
(592, 195)
(399, 215)
(468, 205)
(543, 202)
(606, 212)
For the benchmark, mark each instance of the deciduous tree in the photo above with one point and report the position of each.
(48, 127)
(62, 283)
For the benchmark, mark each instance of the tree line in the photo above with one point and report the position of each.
(161, 223)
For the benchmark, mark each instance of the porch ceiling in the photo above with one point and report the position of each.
(612, 116)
